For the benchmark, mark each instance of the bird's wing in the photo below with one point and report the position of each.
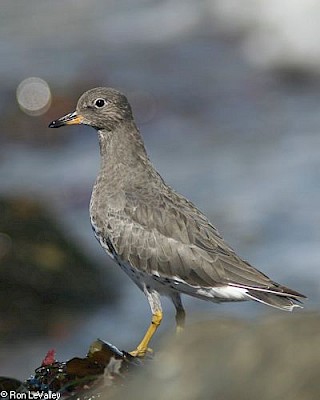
(169, 236)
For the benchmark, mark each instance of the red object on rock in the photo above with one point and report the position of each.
(49, 358)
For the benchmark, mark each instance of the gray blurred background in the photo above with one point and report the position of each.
(226, 95)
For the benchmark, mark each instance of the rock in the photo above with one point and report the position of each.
(276, 358)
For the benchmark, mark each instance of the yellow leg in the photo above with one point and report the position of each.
(142, 348)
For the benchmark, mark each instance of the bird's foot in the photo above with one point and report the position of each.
(141, 352)
(142, 349)
(179, 329)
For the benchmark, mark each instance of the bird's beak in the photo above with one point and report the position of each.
(69, 119)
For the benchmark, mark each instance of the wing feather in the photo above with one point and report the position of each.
(168, 235)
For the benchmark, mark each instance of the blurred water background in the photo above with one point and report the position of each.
(227, 98)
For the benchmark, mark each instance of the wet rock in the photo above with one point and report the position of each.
(103, 369)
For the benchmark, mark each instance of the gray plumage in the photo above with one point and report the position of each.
(164, 243)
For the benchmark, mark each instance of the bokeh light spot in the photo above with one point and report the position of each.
(34, 96)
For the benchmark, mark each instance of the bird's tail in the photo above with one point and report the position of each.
(278, 296)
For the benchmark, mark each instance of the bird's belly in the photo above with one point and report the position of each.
(165, 286)
(146, 280)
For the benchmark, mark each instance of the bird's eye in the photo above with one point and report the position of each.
(100, 103)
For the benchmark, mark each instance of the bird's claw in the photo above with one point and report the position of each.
(141, 352)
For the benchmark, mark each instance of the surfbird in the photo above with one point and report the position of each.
(158, 237)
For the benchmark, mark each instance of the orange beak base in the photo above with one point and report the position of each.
(69, 119)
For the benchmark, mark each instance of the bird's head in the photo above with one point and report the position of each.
(102, 108)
